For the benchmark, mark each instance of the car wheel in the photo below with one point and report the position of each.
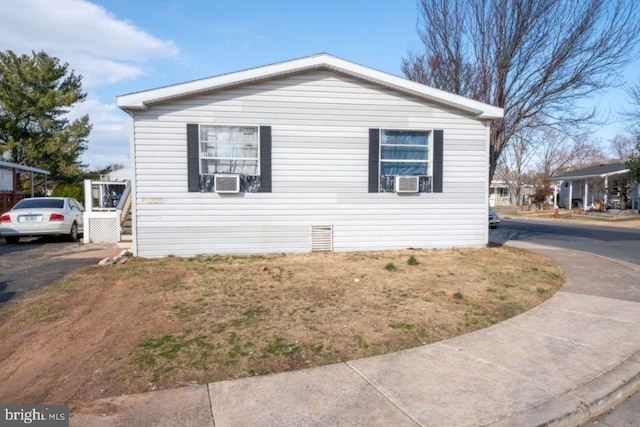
(73, 233)
(12, 240)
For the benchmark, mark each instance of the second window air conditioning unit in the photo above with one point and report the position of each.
(407, 184)
(226, 183)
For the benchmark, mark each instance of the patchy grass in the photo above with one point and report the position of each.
(162, 323)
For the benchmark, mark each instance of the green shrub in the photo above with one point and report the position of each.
(69, 190)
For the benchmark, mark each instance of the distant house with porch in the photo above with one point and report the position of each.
(582, 188)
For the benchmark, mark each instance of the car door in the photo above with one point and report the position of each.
(77, 210)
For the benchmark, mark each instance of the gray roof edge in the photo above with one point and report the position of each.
(22, 167)
(593, 171)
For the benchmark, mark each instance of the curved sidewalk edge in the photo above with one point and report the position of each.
(585, 402)
(589, 400)
(559, 364)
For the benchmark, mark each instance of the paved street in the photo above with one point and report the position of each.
(613, 242)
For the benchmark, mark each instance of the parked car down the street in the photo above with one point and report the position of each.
(494, 219)
(42, 216)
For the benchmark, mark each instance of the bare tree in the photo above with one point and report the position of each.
(633, 115)
(633, 160)
(532, 58)
(514, 164)
(561, 152)
(622, 147)
(535, 155)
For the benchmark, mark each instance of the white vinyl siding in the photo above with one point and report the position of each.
(319, 122)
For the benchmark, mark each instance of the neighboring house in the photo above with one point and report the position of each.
(10, 194)
(122, 174)
(307, 155)
(500, 194)
(581, 188)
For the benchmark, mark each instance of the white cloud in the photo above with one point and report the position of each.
(108, 141)
(96, 44)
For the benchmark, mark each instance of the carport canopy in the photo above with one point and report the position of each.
(22, 168)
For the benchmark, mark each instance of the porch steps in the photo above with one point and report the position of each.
(125, 237)
(125, 241)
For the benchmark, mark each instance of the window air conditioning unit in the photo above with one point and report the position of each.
(407, 184)
(226, 183)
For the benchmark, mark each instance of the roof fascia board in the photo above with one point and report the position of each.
(141, 100)
(9, 165)
(597, 175)
(615, 172)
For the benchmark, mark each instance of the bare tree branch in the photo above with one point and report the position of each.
(535, 59)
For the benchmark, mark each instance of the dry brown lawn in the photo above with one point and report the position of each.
(162, 323)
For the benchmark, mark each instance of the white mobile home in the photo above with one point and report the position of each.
(312, 154)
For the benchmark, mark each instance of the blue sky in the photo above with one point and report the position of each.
(123, 46)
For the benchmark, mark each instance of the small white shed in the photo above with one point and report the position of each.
(312, 154)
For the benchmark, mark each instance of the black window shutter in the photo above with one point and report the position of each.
(374, 160)
(193, 157)
(265, 159)
(438, 137)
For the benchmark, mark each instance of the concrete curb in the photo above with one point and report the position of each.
(586, 402)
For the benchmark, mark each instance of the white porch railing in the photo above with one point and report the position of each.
(107, 204)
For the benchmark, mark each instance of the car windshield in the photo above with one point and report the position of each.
(40, 203)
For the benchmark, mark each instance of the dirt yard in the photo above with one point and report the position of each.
(163, 323)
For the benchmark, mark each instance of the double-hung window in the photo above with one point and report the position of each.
(405, 153)
(229, 150)
(397, 153)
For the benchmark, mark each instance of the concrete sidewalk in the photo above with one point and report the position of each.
(562, 363)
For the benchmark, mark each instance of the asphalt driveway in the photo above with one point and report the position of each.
(33, 263)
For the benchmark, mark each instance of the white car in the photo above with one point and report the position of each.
(41, 216)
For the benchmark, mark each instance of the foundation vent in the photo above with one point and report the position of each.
(321, 238)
